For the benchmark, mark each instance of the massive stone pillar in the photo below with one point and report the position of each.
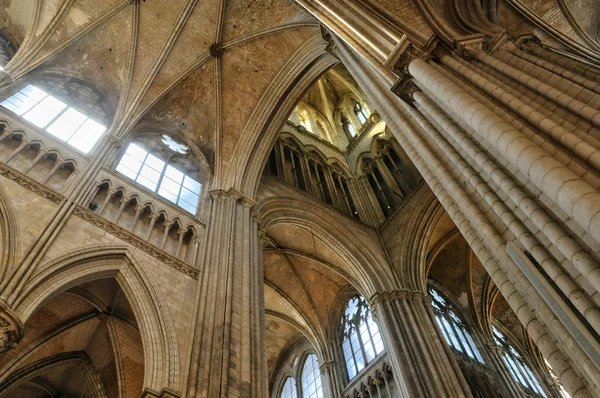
(423, 364)
(228, 358)
(515, 184)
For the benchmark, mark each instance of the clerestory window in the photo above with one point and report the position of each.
(454, 329)
(56, 117)
(311, 378)
(361, 339)
(289, 388)
(159, 176)
(360, 113)
(348, 128)
(519, 369)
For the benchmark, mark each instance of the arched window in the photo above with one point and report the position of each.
(360, 113)
(517, 366)
(348, 127)
(56, 117)
(289, 388)
(160, 174)
(361, 339)
(305, 120)
(454, 329)
(311, 378)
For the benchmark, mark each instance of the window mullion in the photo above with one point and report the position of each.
(56, 117)
(162, 174)
(77, 129)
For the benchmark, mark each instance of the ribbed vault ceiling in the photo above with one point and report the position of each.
(151, 59)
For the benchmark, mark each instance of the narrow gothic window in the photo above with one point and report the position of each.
(152, 172)
(289, 388)
(348, 127)
(517, 366)
(56, 117)
(454, 329)
(360, 113)
(311, 378)
(361, 339)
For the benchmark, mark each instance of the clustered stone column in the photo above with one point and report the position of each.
(228, 347)
(509, 147)
(422, 362)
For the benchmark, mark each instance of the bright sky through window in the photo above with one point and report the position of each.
(152, 172)
(56, 117)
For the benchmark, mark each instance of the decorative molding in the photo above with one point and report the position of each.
(400, 294)
(30, 184)
(136, 241)
(11, 329)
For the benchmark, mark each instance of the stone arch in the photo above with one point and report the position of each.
(9, 234)
(368, 272)
(161, 355)
(79, 359)
(309, 62)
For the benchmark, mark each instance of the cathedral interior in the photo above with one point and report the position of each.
(299, 198)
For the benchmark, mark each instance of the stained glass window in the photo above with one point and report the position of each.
(311, 378)
(289, 388)
(517, 366)
(454, 329)
(361, 339)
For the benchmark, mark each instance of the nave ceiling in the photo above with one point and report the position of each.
(152, 60)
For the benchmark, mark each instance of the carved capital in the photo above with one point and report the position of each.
(527, 42)
(5, 80)
(404, 88)
(405, 52)
(331, 46)
(11, 329)
(468, 46)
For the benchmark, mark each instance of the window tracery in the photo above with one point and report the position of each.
(56, 117)
(311, 378)
(162, 174)
(453, 327)
(516, 364)
(289, 388)
(361, 339)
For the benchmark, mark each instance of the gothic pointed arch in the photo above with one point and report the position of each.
(161, 354)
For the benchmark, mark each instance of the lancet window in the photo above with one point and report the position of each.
(361, 339)
(453, 327)
(311, 378)
(163, 172)
(517, 366)
(289, 388)
(360, 113)
(40, 107)
(348, 128)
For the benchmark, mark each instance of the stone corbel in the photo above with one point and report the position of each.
(11, 329)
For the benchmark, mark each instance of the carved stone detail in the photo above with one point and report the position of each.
(30, 184)
(11, 330)
(468, 46)
(135, 241)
